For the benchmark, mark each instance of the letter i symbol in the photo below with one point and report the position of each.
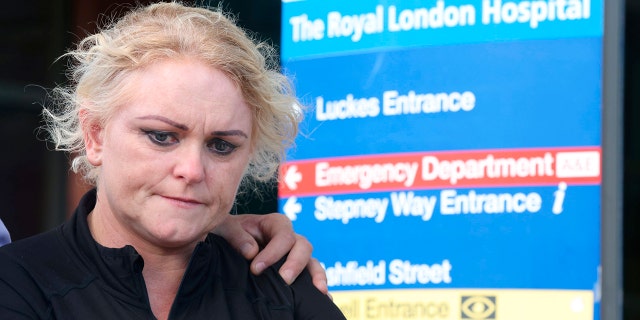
(559, 198)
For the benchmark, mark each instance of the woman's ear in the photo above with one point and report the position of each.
(92, 135)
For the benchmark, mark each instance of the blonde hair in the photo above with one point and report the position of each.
(102, 62)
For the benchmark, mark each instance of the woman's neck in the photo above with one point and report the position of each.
(163, 281)
(163, 270)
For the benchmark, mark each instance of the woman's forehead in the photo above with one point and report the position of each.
(185, 89)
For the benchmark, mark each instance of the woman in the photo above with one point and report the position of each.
(172, 106)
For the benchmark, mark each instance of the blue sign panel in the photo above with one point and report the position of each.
(449, 162)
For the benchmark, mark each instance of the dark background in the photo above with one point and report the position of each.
(37, 190)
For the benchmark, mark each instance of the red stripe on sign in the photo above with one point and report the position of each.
(434, 170)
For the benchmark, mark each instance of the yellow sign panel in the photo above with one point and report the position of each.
(463, 304)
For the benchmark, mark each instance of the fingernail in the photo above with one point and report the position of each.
(259, 267)
(246, 249)
(325, 285)
(287, 275)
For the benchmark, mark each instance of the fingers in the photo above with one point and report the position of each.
(297, 260)
(275, 231)
(278, 232)
(318, 275)
(233, 231)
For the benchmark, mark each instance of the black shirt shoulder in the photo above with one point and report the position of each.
(34, 270)
(302, 299)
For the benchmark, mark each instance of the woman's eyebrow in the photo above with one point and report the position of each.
(230, 133)
(165, 120)
(184, 127)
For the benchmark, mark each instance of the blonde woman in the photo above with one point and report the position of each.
(170, 108)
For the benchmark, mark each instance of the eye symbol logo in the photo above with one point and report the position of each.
(478, 308)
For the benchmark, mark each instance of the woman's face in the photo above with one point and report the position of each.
(172, 157)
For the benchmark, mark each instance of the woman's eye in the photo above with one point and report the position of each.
(221, 147)
(161, 138)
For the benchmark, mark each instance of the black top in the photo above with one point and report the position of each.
(65, 274)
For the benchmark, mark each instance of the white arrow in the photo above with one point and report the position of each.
(292, 177)
(291, 208)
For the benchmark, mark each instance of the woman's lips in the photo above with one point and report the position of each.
(183, 201)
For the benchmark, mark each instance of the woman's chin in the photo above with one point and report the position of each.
(176, 237)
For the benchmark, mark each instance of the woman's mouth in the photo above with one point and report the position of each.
(183, 201)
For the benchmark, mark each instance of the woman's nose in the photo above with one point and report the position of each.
(190, 164)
